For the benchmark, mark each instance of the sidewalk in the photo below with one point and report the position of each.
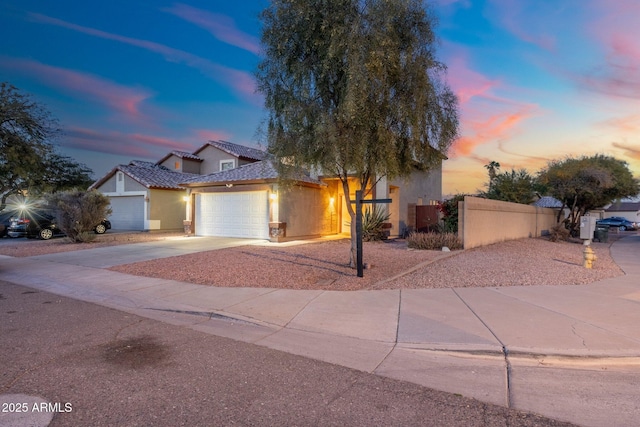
(566, 352)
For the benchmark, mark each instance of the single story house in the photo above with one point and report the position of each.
(628, 210)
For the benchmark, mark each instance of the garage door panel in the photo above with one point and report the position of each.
(127, 212)
(243, 214)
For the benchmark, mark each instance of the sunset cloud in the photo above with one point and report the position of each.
(121, 99)
(518, 18)
(134, 145)
(631, 151)
(221, 27)
(486, 117)
(614, 28)
(241, 81)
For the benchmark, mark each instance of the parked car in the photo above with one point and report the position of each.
(618, 222)
(5, 222)
(42, 224)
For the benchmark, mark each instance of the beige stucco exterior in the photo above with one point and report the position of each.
(213, 156)
(179, 164)
(309, 211)
(483, 222)
(166, 209)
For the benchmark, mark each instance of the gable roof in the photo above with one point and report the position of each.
(236, 150)
(149, 174)
(261, 171)
(181, 155)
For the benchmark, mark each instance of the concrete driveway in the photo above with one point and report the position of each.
(126, 254)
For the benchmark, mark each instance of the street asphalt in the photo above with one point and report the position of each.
(571, 353)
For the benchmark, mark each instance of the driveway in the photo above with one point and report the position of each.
(110, 256)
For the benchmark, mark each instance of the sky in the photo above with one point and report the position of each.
(536, 80)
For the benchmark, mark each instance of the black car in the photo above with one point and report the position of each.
(618, 222)
(43, 225)
(5, 221)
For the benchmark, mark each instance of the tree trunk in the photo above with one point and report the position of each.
(352, 227)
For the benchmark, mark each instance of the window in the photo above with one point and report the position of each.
(226, 165)
(120, 176)
(176, 165)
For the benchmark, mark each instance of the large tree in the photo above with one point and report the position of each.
(586, 183)
(353, 89)
(28, 160)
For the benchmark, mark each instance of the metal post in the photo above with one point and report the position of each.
(359, 233)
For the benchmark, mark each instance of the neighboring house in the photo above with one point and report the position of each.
(628, 210)
(234, 191)
(144, 196)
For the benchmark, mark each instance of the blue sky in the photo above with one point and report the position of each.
(537, 80)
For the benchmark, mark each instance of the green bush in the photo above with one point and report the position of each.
(78, 213)
(449, 210)
(432, 241)
(373, 221)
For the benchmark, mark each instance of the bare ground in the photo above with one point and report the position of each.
(323, 265)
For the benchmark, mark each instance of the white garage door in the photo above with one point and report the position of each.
(128, 213)
(243, 214)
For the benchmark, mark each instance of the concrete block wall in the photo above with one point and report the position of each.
(483, 222)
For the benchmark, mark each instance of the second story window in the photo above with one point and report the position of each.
(225, 165)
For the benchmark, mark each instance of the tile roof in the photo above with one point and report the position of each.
(150, 175)
(237, 150)
(624, 207)
(548, 202)
(258, 171)
(181, 155)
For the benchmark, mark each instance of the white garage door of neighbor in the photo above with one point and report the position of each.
(127, 213)
(242, 214)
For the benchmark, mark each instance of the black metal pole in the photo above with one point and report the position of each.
(359, 233)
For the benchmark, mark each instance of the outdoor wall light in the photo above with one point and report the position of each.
(273, 196)
(185, 198)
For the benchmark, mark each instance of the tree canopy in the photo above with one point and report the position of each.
(516, 186)
(586, 183)
(353, 88)
(28, 159)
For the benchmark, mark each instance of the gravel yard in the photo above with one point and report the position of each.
(323, 265)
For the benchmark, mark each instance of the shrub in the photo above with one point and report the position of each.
(559, 233)
(434, 241)
(373, 221)
(449, 210)
(79, 212)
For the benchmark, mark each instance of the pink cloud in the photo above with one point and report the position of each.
(221, 27)
(125, 144)
(122, 99)
(211, 135)
(522, 23)
(241, 81)
(485, 116)
(614, 27)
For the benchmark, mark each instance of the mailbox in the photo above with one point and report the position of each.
(587, 227)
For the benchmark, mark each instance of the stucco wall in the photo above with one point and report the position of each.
(483, 222)
(131, 184)
(168, 207)
(212, 157)
(309, 211)
(419, 188)
(109, 186)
